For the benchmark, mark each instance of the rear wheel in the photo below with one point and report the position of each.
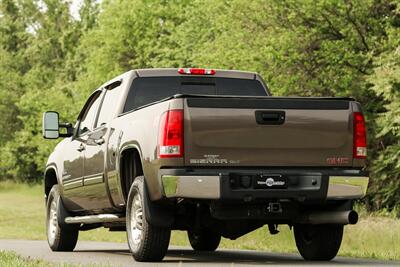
(318, 242)
(146, 242)
(204, 240)
(60, 237)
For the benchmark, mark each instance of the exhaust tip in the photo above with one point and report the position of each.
(353, 217)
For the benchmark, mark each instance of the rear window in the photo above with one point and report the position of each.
(146, 90)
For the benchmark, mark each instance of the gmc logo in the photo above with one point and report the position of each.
(337, 161)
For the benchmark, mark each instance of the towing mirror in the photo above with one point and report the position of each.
(51, 126)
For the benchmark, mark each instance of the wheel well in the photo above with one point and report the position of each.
(131, 167)
(50, 179)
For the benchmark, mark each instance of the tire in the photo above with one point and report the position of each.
(318, 242)
(205, 240)
(147, 243)
(59, 237)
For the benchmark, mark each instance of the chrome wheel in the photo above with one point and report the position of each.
(52, 222)
(60, 237)
(146, 242)
(136, 220)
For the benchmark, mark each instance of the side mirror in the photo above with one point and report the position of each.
(51, 125)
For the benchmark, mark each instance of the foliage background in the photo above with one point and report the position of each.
(50, 60)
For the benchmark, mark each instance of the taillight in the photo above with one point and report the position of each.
(194, 71)
(170, 138)
(359, 136)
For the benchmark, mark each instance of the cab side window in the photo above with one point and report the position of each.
(89, 115)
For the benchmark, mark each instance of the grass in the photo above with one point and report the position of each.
(22, 215)
(11, 259)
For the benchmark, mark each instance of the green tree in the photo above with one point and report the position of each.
(51, 36)
(14, 40)
(385, 185)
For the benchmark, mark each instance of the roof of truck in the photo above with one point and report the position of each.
(175, 72)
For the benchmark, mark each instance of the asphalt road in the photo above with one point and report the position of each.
(117, 254)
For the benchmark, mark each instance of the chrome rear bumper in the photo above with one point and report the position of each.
(203, 187)
(347, 187)
(209, 187)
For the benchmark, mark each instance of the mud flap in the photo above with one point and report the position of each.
(157, 215)
(62, 213)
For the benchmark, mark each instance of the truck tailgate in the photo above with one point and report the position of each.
(231, 131)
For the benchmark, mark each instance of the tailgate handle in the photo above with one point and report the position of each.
(272, 117)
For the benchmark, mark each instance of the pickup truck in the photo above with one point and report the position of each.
(209, 152)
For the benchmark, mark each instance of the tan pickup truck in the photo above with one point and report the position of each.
(209, 152)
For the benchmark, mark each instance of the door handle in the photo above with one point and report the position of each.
(81, 148)
(270, 117)
(99, 141)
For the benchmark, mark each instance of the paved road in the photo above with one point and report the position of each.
(117, 254)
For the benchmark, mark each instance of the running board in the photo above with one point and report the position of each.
(101, 218)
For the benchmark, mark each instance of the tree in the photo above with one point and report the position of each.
(385, 186)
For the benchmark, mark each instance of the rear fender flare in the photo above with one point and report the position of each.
(156, 214)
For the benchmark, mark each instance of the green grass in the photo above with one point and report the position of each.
(22, 215)
(11, 259)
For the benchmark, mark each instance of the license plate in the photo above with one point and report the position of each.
(270, 181)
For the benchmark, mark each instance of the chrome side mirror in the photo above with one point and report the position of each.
(50, 125)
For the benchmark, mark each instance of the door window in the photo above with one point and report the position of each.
(89, 114)
(108, 106)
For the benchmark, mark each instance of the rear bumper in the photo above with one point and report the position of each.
(347, 187)
(302, 184)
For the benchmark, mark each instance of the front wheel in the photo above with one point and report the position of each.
(318, 242)
(146, 242)
(205, 240)
(60, 237)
